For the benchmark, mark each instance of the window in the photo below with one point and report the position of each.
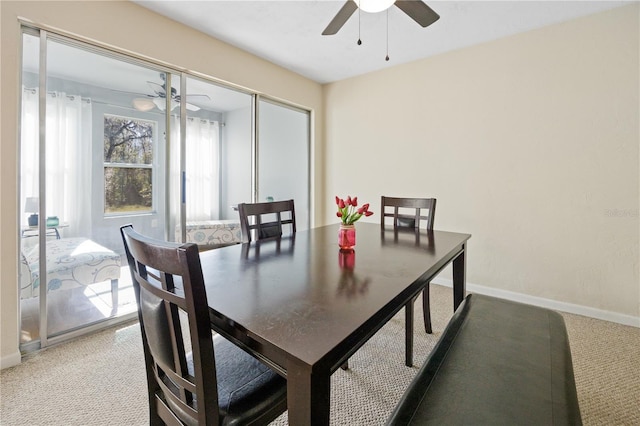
(128, 164)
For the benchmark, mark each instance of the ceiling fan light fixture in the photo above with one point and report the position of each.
(374, 6)
(143, 104)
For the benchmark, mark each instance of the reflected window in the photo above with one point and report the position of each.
(128, 164)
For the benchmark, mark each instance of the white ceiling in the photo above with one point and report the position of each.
(288, 33)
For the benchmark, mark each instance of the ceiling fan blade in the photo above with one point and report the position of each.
(157, 88)
(189, 96)
(418, 11)
(131, 93)
(341, 18)
(189, 106)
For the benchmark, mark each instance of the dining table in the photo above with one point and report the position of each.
(302, 306)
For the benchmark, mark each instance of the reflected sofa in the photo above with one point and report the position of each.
(71, 262)
(212, 233)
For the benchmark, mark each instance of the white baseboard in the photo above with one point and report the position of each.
(10, 360)
(546, 303)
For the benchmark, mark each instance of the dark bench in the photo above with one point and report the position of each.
(497, 363)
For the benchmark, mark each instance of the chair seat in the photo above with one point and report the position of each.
(246, 386)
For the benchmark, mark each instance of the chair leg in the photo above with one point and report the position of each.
(408, 326)
(426, 311)
(114, 295)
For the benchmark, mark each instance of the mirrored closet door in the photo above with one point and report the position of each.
(283, 156)
(106, 140)
(92, 158)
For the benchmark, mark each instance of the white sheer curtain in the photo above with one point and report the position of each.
(174, 178)
(68, 158)
(202, 167)
(29, 170)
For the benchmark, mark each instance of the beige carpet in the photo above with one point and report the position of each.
(100, 380)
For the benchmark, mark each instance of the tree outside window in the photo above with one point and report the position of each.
(128, 164)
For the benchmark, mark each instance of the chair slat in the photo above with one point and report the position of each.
(251, 219)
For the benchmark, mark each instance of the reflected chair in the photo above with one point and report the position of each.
(192, 377)
(408, 213)
(266, 220)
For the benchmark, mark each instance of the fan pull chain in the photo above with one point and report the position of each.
(359, 13)
(387, 58)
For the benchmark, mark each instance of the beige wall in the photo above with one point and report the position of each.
(126, 26)
(530, 143)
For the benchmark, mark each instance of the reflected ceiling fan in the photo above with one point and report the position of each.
(416, 9)
(158, 99)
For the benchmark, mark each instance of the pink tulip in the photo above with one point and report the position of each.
(348, 211)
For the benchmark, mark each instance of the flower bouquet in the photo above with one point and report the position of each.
(349, 213)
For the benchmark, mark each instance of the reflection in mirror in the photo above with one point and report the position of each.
(268, 248)
(283, 157)
(409, 237)
(104, 139)
(217, 166)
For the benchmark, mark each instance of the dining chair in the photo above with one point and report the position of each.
(253, 216)
(192, 377)
(408, 213)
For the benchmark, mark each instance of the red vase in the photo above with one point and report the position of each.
(347, 237)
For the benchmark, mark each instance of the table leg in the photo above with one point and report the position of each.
(459, 277)
(308, 396)
(408, 326)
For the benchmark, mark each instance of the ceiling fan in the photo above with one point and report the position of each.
(158, 99)
(416, 9)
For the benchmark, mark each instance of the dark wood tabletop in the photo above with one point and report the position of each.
(304, 307)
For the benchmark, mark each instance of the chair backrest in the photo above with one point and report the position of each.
(423, 209)
(169, 285)
(251, 220)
